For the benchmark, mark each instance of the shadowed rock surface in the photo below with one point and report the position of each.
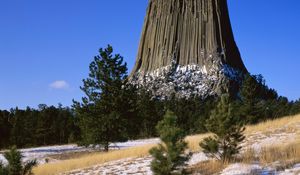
(187, 48)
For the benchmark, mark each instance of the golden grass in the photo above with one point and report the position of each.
(100, 158)
(270, 125)
(141, 151)
(279, 157)
(248, 156)
(90, 160)
(285, 154)
(207, 167)
(193, 141)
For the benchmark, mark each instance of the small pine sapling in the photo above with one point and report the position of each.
(227, 130)
(169, 157)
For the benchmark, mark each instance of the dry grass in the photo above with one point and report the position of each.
(207, 168)
(193, 142)
(248, 156)
(100, 158)
(285, 154)
(279, 157)
(290, 123)
(90, 160)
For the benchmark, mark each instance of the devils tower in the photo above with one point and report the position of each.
(187, 48)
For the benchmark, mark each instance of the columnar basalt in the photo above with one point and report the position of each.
(187, 48)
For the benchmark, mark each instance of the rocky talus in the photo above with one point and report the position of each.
(195, 35)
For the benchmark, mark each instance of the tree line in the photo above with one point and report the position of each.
(47, 125)
(112, 110)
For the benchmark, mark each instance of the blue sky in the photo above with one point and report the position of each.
(46, 45)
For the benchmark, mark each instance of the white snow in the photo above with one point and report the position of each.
(130, 166)
(240, 169)
(142, 165)
(187, 80)
(197, 158)
(137, 166)
(42, 153)
(292, 171)
(133, 143)
(245, 169)
(260, 140)
(2, 159)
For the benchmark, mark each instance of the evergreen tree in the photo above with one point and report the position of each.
(257, 99)
(3, 169)
(249, 94)
(295, 109)
(227, 130)
(5, 129)
(101, 113)
(148, 113)
(15, 167)
(31, 127)
(169, 155)
(18, 133)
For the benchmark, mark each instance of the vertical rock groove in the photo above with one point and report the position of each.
(187, 31)
(187, 35)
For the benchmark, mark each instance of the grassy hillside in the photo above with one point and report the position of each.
(290, 124)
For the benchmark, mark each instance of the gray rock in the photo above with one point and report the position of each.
(187, 47)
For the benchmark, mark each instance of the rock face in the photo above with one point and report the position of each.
(187, 48)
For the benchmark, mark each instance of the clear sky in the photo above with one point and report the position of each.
(46, 45)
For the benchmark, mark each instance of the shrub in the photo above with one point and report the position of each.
(227, 130)
(169, 157)
(15, 167)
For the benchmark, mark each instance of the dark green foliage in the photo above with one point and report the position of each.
(3, 169)
(31, 127)
(102, 113)
(251, 93)
(15, 167)
(169, 155)
(192, 112)
(5, 129)
(295, 107)
(27, 168)
(227, 129)
(149, 113)
(14, 158)
(259, 102)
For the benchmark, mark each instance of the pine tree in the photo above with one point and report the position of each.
(3, 169)
(15, 167)
(101, 113)
(227, 130)
(249, 94)
(148, 114)
(5, 129)
(256, 97)
(169, 155)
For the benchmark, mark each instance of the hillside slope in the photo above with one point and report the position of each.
(263, 139)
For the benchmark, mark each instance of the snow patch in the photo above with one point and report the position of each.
(241, 169)
(292, 171)
(42, 153)
(188, 80)
(197, 158)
